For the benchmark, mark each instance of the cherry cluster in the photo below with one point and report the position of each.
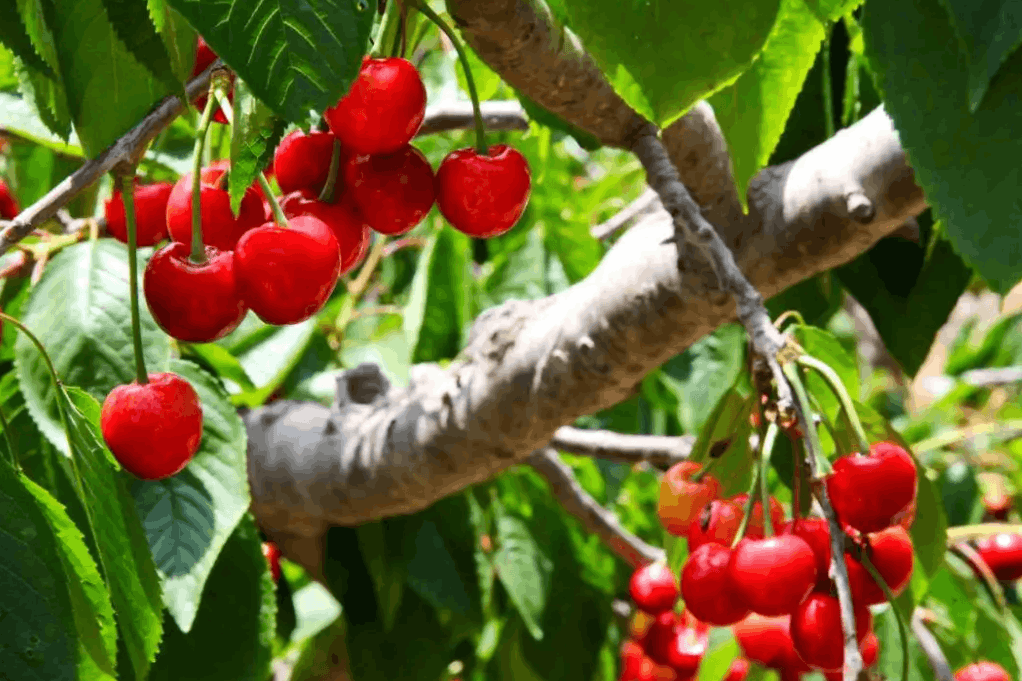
(775, 589)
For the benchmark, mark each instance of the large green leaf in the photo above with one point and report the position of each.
(524, 571)
(963, 161)
(753, 110)
(662, 57)
(123, 554)
(108, 92)
(296, 55)
(80, 311)
(178, 37)
(254, 136)
(131, 22)
(437, 309)
(725, 436)
(233, 635)
(189, 516)
(898, 280)
(700, 376)
(36, 622)
(988, 32)
(90, 601)
(47, 95)
(432, 572)
(14, 36)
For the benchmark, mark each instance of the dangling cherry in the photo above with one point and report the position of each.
(394, 192)
(483, 196)
(681, 499)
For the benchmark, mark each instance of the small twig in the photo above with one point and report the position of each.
(1007, 430)
(127, 150)
(647, 202)
(659, 450)
(962, 533)
(458, 116)
(990, 377)
(931, 648)
(594, 517)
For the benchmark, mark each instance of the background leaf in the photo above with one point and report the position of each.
(15, 38)
(523, 570)
(131, 22)
(437, 307)
(988, 32)
(254, 137)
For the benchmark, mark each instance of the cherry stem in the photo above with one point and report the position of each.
(386, 37)
(330, 188)
(839, 390)
(805, 415)
(128, 195)
(198, 255)
(278, 213)
(795, 314)
(750, 502)
(358, 287)
(7, 438)
(225, 104)
(894, 608)
(481, 147)
(31, 336)
(702, 472)
(839, 573)
(767, 448)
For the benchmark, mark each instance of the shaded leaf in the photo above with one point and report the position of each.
(523, 570)
(178, 37)
(21, 120)
(725, 433)
(131, 22)
(15, 38)
(988, 32)
(47, 99)
(437, 308)
(432, 572)
(699, 376)
(254, 136)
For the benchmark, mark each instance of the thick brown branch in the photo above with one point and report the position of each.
(594, 517)
(659, 450)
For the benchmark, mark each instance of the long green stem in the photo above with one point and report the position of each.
(768, 446)
(834, 381)
(750, 503)
(481, 147)
(35, 341)
(894, 608)
(198, 255)
(806, 416)
(329, 189)
(7, 437)
(278, 212)
(128, 194)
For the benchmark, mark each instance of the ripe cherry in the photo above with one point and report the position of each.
(153, 430)
(344, 220)
(738, 671)
(204, 56)
(681, 499)
(660, 636)
(197, 303)
(219, 226)
(8, 204)
(150, 214)
(1003, 553)
(816, 533)
(891, 554)
(394, 192)
(872, 492)
(302, 161)
(483, 196)
(383, 109)
(982, 671)
(816, 631)
(286, 274)
(653, 588)
(632, 655)
(718, 521)
(755, 529)
(773, 575)
(767, 640)
(870, 649)
(706, 586)
(272, 553)
(687, 648)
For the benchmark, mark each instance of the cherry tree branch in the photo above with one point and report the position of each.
(931, 647)
(646, 203)
(594, 517)
(458, 116)
(659, 450)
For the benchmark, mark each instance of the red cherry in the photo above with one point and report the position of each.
(660, 636)
(8, 204)
(1003, 553)
(653, 588)
(681, 499)
(286, 274)
(873, 492)
(718, 521)
(706, 586)
(738, 670)
(816, 533)
(870, 649)
(153, 430)
(767, 640)
(394, 192)
(773, 575)
(891, 554)
(686, 649)
(302, 161)
(272, 553)
(204, 56)
(632, 655)
(982, 671)
(383, 109)
(816, 631)
(198, 303)
(483, 196)
(150, 214)
(219, 226)
(343, 218)
(756, 527)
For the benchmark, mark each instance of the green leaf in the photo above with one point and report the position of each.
(437, 308)
(21, 120)
(123, 554)
(47, 98)
(233, 635)
(108, 92)
(544, 116)
(725, 435)
(890, 663)
(961, 159)
(296, 55)
(833, 9)
(254, 136)
(269, 354)
(896, 280)
(14, 36)
(663, 57)
(518, 273)
(36, 622)
(178, 37)
(523, 570)
(987, 33)
(817, 298)
(825, 347)
(80, 312)
(699, 376)
(226, 365)
(380, 546)
(189, 517)
(432, 572)
(753, 110)
(131, 22)
(90, 601)
(718, 659)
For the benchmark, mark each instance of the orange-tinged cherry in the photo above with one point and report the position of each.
(153, 430)
(681, 499)
(718, 521)
(483, 196)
